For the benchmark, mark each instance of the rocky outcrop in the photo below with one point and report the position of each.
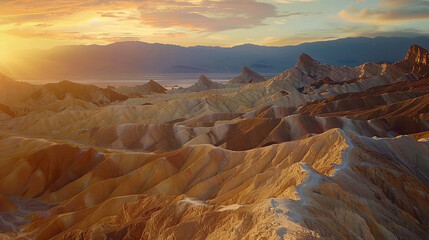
(203, 84)
(416, 61)
(247, 75)
(141, 90)
(155, 87)
(315, 70)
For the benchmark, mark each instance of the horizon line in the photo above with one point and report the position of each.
(211, 46)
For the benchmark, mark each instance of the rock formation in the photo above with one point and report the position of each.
(314, 69)
(203, 84)
(416, 61)
(66, 89)
(318, 151)
(247, 75)
(141, 90)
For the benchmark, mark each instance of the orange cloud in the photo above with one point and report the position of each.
(173, 35)
(207, 15)
(63, 35)
(203, 15)
(388, 12)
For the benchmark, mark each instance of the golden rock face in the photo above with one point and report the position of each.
(343, 155)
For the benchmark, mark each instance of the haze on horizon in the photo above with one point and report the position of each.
(28, 24)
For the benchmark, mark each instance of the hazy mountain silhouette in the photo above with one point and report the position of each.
(140, 57)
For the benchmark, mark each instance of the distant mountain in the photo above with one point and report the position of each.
(139, 57)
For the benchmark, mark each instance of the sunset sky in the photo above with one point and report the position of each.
(28, 24)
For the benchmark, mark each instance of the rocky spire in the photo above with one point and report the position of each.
(307, 64)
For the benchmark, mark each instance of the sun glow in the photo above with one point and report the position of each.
(95, 20)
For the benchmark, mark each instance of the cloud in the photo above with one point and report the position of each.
(377, 32)
(43, 25)
(73, 36)
(111, 14)
(207, 15)
(171, 35)
(388, 12)
(401, 3)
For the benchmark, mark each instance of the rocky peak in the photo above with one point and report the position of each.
(306, 64)
(245, 70)
(204, 83)
(247, 75)
(416, 61)
(155, 87)
(417, 54)
(251, 76)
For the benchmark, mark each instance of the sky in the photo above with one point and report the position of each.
(29, 24)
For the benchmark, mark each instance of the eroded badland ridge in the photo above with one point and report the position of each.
(318, 151)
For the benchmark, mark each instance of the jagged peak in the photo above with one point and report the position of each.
(306, 63)
(154, 83)
(416, 48)
(246, 69)
(155, 87)
(417, 54)
(305, 58)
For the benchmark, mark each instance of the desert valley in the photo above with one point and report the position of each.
(318, 151)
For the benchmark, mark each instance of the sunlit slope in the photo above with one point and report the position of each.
(370, 186)
(318, 151)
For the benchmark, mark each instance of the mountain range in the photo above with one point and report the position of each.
(86, 61)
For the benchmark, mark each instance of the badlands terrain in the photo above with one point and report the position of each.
(317, 151)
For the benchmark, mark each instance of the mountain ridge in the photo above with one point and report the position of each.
(318, 151)
(140, 57)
